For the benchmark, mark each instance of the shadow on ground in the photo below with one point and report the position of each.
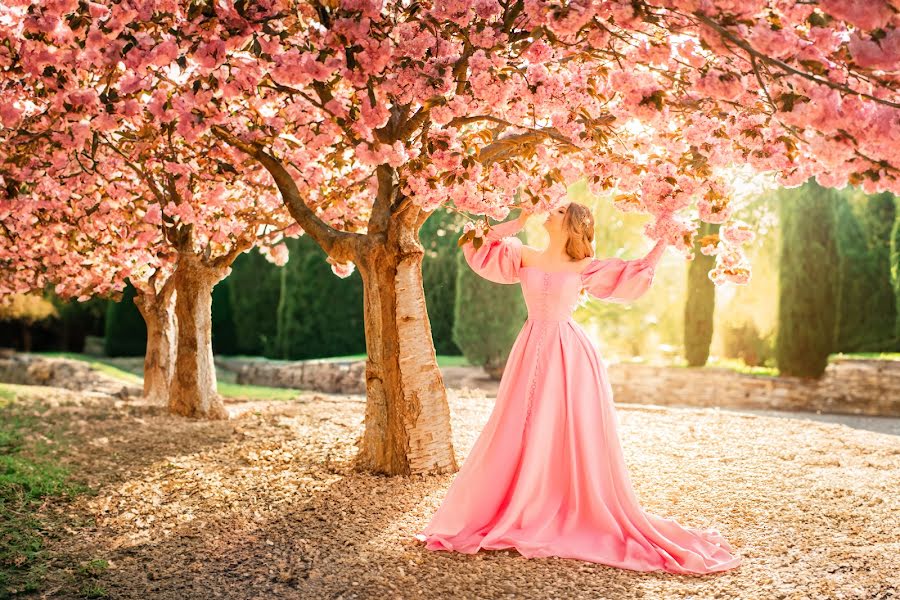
(265, 505)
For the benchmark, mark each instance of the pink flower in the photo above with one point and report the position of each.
(539, 52)
(865, 14)
(883, 54)
(153, 214)
(737, 233)
(776, 43)
(720, 85)
(10, 113)
(375, 116)
(295, 69)
(709, 249)
(487, 9)
(342, 270)
(279, 254)
(97, 11)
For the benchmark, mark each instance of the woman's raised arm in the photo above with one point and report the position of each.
(621, 281)
(500, 255)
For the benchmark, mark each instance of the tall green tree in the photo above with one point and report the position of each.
(438, 237)
(808, 280)
(895, 267)
(700, 304)
(487, 317)
(867, 309)
(125, 332)
(254, 287)
(878, 215)
(319, 314)
(224, 338)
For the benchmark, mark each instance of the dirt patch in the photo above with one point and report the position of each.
(265, 506)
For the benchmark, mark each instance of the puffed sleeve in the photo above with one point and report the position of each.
(618, 280)
(500, 255)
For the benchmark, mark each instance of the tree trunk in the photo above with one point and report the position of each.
(700, 303)
(193, 390)
(159, 360)
(26, 336)
(407, 425)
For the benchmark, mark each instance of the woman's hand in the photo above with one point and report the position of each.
(526, 209)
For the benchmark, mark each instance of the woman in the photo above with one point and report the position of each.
(546, 475)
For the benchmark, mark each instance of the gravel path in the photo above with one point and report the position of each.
(265, 506)
(475, 379)
(889, 425)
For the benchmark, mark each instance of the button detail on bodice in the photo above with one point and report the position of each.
(541, 324)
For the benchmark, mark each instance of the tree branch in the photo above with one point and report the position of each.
(340, 245)
(786, 67)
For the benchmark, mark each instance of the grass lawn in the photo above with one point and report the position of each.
(29, 476)
(442, 359)
(877, 355)
(738, 365)
(256, 392)
(228, 390)
(97, 364)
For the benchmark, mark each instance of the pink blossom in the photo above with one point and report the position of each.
(97, 11)
(870, 14)
(279, 254)
(883, 54)
(153, 214)
(342, 270)
(10, 113)
(737, 233)
(717, 84)
(539, 52)
(487, 9)
(373, 116)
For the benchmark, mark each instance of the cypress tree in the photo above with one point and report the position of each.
(125, 331)
(895, 268)
(319, 314)
(700, 303)
(866, 304)
(878, 216)
(808, 280)
(487, 318)
(438, 237)
(254, 287)
(224, 339)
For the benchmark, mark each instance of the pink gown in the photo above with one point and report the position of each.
(546, 476)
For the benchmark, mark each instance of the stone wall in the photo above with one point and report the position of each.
(30, 369)
(334, 377)
(852, 386)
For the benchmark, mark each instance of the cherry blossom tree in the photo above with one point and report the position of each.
(368, 115)
(66, 239)
(469, 102)
(87, 220)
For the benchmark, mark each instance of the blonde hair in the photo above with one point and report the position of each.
(578, 223)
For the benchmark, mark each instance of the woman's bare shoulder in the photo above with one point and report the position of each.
(527, 253)
(530, 259)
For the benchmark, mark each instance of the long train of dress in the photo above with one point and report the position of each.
(546, 476)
